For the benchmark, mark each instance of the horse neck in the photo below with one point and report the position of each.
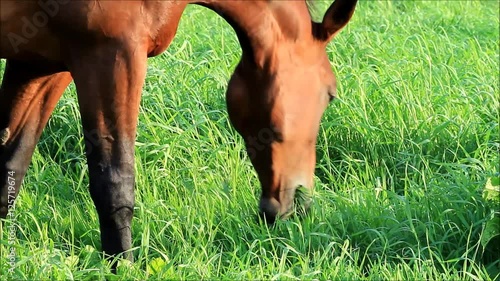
(260, 25)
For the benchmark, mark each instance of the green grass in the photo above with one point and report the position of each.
(403, 157)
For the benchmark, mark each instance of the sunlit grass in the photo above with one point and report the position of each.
(403, 157)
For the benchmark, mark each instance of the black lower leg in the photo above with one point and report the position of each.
(112, 190)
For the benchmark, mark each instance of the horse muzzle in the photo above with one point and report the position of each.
(291, 201)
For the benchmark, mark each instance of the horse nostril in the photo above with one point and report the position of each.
(269, 209)
(268, 218)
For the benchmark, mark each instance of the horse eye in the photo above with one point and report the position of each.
(277, 134)
(331, 96)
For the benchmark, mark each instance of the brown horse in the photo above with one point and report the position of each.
(275, 98)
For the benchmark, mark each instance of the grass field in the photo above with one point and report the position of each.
(403, 157)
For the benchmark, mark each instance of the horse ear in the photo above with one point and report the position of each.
(336, 17)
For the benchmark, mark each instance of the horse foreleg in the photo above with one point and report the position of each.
(28, 96)
(109, 84)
